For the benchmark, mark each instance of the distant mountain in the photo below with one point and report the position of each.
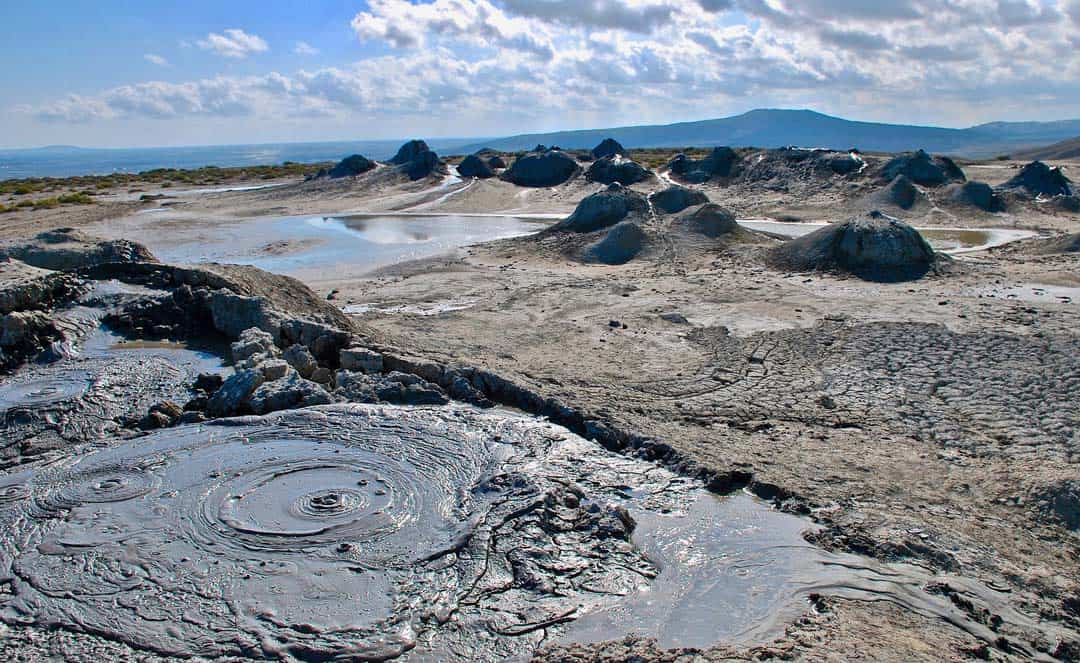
(805, 128)
(1066, 149)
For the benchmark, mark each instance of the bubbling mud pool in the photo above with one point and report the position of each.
(357, 532)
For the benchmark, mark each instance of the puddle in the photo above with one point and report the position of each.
(313, 247)
(947, 240)
(368, 532)
(422, 309)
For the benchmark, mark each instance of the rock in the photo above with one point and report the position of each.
(395, 387)
(161, 415)
(300, 358)
(674, 318)
(609, 147)
(254, 342)
(541, 169)
(1038, 179)
(843, 164)
(602, 210)
(1069, 203)
(676, 198)
(24, 328)
(710, 220)
(192, 417)
(290, 392)
(920, 168)
(233, 314)
(616, 169)
(23, 287)
(361, 359)
(323, 340)
(720, 163)
(232, 397)
(874, 247)
(350, 166)
(274, 369)
(323, 376)
(474, 166)
(619, 245)
(975, 194)
(67, 249)
(496, 162)
(208, 383)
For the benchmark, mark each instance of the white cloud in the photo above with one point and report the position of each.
(233, 43)
(304, 48)
(510, 64)
(156, 59)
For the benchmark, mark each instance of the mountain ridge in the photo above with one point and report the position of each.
(773, 127)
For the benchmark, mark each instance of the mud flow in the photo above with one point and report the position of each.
(377, 532)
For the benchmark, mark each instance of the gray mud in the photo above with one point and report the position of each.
(367, 533)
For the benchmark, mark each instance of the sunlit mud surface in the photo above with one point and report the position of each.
(364, 533)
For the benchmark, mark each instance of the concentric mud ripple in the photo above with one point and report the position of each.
(33, 392)
(340, 533)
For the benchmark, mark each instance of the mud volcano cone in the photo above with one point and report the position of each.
(875, 247)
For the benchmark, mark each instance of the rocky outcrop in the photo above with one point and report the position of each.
(608, 170)
(874, 247)
(416, 160)
(975, 194)
(543, 168)
(350, 166)
(24, 334)
(710, 220)
(67, 249)
(1039, 179)
(721, 162)
(23, 287)
(676, 198)
(621, 244)
(474, 166)
(394, 387)
(496, 162)
(922, 169)
(602, 210)
(609, 147)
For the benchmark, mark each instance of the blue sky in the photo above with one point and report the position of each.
(124, 73)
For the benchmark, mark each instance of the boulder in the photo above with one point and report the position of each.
(607, 170)
(719, 163)
(232, 397)
(67, 249)
(361, 359)
(975, 194)
(274, 369)
(676, 198)
(496, 162)
(874, 247)
(1039, 179)
(300, 358)
(290, 392)
(350, 166)
(609, 147)
(619, 245)
(922, 169)
(254, 343)
(474, 166)
(541, 169)
(603, 209)
(709, 220)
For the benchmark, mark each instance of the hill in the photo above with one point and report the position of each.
(1066, 149)
(777, 128)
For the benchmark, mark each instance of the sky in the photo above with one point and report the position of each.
(126, 73)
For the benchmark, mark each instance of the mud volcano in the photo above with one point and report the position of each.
(875, 247)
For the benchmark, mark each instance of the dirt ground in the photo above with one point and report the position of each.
(935, 422)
